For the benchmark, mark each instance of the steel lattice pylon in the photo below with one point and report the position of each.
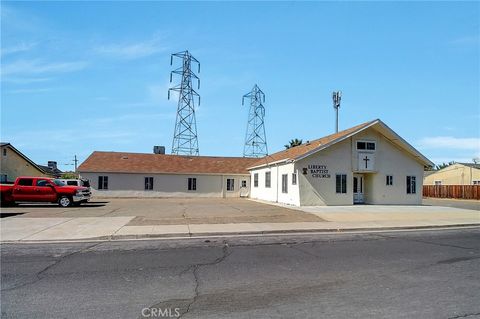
(185, 140)
(255, 139)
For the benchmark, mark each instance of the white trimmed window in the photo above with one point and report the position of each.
(411, 184)
(268, 182)
(476, 182)
(389, 180)
(255, 180)
(294, 178)
(341, 183)
(244, 183)
(285, 183)
(230, 184)
(366, 145)
(438, 183)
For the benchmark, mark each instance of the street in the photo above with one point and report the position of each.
(417, 274)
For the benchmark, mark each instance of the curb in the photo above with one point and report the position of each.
(246, 233)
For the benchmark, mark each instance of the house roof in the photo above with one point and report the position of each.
(472, 165)
(51, 171)
(119, 162)
(38, 167)
(306, 149)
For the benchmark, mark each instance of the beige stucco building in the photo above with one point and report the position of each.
(120, 174)
(14, 164)
(368, 163)
(455, 174)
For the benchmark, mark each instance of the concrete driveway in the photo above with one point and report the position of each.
(170, 211)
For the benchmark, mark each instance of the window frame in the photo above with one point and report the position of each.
(255, 179)
(4, 152)
(230, 184)
(411, 181)
(285, 183)
(367, 143)
(342, 188)
(294, 178)
(244, 183)
(437, 182)
(192, 184)
(148, 183)
(103, 182)
(389, 180)
(25, 179)
(268, 181)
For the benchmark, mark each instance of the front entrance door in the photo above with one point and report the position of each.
(358, 189)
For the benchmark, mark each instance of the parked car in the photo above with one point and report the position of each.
(42, 189)
(77, 182)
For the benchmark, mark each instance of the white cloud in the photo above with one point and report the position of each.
(39, 67)
(450, 142)
(25, 80)
(20, 47)
(28, 91)
(130, 51)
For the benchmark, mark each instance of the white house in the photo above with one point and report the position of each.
(368, 163)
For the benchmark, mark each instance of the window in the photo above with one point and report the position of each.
(284, 183)
(294, 178)
(3, 178)
(148, 183)
(230, 184)
(192, 184)
(268, 175)
(25, 182)
(438, 182)
(255, 180)
(42, 183)
(362, 145)
(244, 183)
(389, 181)
(473, 182)
(341, 183)
(102, 182)
(4, 152)
(72, 183)
(411, 185)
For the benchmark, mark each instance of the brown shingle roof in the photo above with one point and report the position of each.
(117, 162)
(303, 149)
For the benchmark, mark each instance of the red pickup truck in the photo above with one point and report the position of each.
(42, 189)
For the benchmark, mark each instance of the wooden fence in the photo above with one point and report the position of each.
(452, 191)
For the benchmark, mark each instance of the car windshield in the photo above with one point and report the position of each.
(58, 182)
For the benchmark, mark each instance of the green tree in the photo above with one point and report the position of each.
(293, 143)
(443, 165)
(69, 175)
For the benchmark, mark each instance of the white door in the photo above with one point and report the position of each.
(358, 189)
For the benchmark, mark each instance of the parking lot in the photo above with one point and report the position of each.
(170, 211)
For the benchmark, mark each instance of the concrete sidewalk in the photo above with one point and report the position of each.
(348, 218)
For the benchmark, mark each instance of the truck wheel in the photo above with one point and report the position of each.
(65, 201)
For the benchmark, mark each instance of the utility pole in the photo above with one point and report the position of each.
(336, 96)
(255, 138)
(185, 140)
(75, 160)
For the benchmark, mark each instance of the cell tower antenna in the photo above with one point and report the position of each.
(185, 139)
(255, 139)
(337, 97)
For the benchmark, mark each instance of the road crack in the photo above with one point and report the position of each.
(465, 315)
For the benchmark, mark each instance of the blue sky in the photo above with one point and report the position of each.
(78, 77)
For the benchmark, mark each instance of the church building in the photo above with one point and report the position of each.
(365, 164)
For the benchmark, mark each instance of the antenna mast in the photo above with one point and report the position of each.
(185, 140)
(255, 139)
(336, 96)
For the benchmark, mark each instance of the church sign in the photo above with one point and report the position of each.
(317, 171)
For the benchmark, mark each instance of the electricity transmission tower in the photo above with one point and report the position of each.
(185, 141)
(255, 139)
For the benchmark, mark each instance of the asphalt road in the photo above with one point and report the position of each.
(429, 274)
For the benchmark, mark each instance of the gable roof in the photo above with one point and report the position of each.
(52, 171)
(472, 165)
(119, 162)
(306, 149)
(38, 167)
